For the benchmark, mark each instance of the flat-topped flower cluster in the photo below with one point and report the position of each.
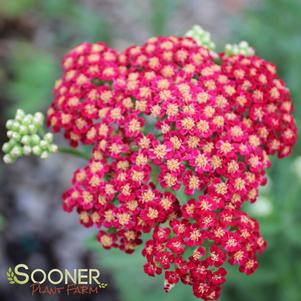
(181, 139)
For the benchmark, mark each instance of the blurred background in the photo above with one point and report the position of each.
(34, 35)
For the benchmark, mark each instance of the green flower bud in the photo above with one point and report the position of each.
(26, 140)
(19, 115)
(53, 148)
(38, 118)
(25, 137)
(43, 144)
(9, 124)
(12, 143)
(15, 126)
(23, 130)
(242, 48)
(35, 139)
(32, 129)
(48, 137)
(27, 150)
(10, 134)
(201, 36)
(6, 147)
(27, 120)
(36, 150)
(16, 151)
(16, 136)
(8, 159)
(44, 155)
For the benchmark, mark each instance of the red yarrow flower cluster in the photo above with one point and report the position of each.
(180, 141)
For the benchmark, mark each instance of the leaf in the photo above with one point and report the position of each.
(10, 276)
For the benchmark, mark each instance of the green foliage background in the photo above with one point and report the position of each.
(273, 26)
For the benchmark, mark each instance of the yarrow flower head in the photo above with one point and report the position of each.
(179, 141)
(26, 137)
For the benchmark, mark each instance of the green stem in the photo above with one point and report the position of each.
(74, 152)
(41, 131)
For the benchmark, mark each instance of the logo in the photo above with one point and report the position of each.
(10, 276)
(57, 281)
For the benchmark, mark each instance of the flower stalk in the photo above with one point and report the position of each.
(74, 152)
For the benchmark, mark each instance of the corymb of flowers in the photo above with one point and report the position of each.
(180, 138)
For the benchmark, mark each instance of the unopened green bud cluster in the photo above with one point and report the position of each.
(201, 36)
(27, 137)
(242, 48)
